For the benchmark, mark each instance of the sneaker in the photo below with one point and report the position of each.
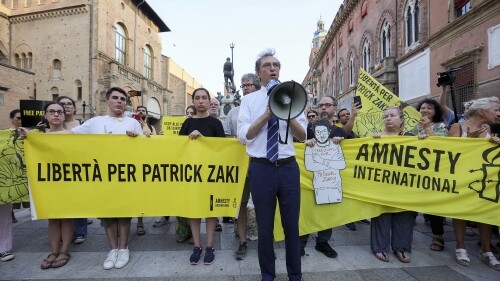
(6, 256)
(326, 249)
(110, 261)
(79, 239)
(351, 226)
(122, 259)
(209, 256)
(242, 251)
(195, 256)
(161, 221)
(364, 221)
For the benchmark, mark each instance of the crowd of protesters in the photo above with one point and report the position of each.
(273, 176)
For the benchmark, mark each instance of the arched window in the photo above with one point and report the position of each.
(148, 62)
(18, 60)
(79, 90)
(366, 55)
(412, 22)
(333, 83)
(385, 40)
(352, 70)
(55, 93)
(29, 60)
(56, 69)
(120, 44)
(341, 79)
(23, 61)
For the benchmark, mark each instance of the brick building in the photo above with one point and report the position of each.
(404, 43)
(81, 48)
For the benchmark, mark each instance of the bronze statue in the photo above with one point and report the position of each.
(228, 74)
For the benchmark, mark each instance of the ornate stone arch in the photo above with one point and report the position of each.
(366, 37)
(352, 66)
(387, 15)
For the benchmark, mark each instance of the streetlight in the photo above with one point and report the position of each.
(232, 62)
(84, 105)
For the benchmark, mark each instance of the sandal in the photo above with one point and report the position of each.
(403, 256)
(61, 262)
(218, 227)
(489, 259)
(437, 244)
(140, 230)
(47, 263)
(382, 256)
(461, 257)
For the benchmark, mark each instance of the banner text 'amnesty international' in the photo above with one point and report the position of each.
(411, 157)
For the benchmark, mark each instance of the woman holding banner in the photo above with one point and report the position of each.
(431, 124)
(69, 123)
(478, 114)
(202, 125)
(398, 225)
(59, 229)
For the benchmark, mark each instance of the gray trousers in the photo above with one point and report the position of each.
(323, 236)
(394, 229)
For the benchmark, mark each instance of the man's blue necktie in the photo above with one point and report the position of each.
(272, 139)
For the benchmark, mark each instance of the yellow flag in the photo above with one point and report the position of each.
(13, 178)
(375, 98)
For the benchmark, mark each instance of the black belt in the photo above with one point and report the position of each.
(279, 162)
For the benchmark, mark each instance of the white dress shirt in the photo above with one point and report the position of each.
(252, 107)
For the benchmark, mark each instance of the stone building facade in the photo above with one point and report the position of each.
(81, 48)
(404, 43)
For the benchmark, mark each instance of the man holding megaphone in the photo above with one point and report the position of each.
(273, 171)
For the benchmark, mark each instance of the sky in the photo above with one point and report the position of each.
(202, 30)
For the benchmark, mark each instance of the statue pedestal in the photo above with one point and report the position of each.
(228, 102)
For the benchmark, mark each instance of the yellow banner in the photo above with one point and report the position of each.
(13, 178)
(450, 177)
(375, 98)
(73, 176)
(119, 176)
(171, 125)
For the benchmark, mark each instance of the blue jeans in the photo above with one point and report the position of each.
(80, 227)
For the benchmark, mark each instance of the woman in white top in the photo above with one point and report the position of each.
(478, 114)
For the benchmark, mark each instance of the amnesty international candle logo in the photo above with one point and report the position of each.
(484, 186)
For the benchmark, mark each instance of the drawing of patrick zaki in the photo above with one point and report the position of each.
(325, 158)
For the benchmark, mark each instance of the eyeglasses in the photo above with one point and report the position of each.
(66, 103)
(53, 112)
(327, 105)
(268, 65)
(118, 98)
(246, 85)
(311, 116)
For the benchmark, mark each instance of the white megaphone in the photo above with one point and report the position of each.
(287, 100)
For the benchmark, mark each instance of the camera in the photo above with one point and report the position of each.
(447, 78)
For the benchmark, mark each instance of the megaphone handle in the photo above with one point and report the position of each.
(288, 119)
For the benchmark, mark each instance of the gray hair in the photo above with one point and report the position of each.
(253, 77)
(473, 106)
(265, 53)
